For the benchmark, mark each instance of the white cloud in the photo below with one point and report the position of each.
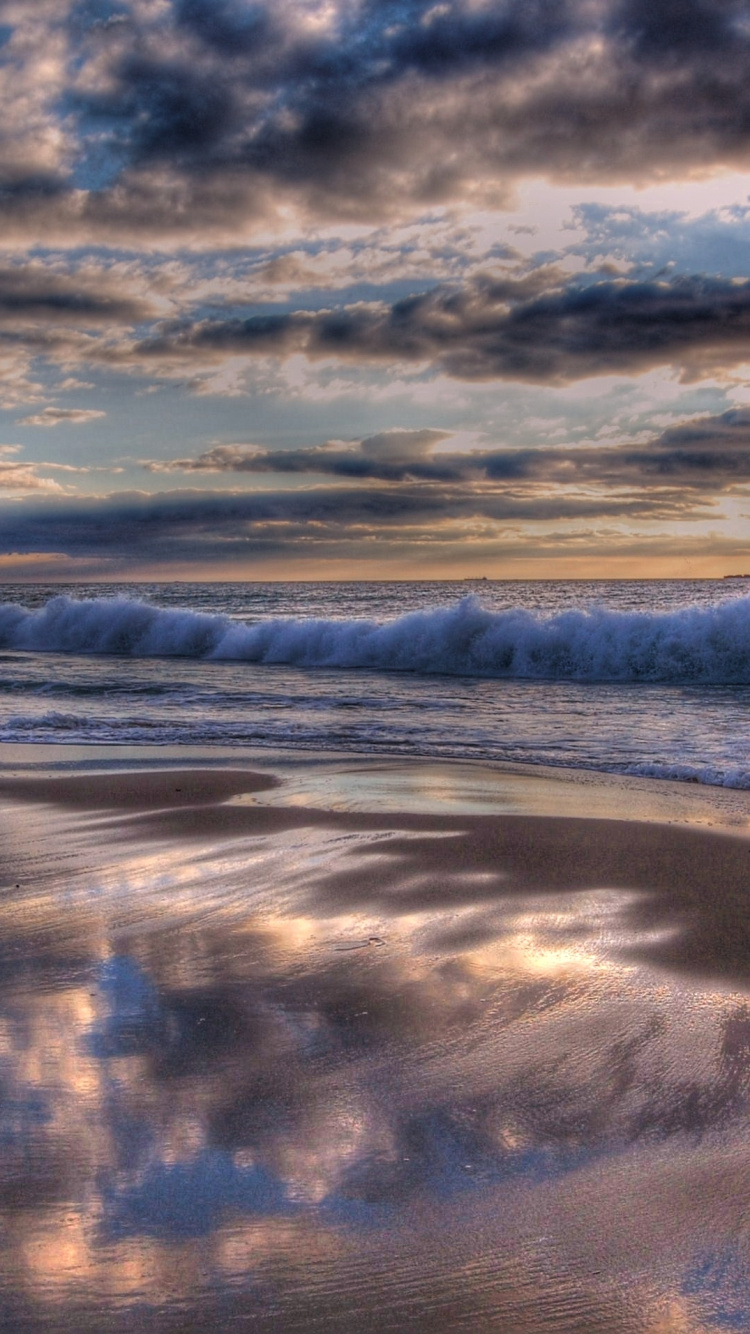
(63, 417)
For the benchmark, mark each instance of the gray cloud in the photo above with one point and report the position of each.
(489, 329)
(536, 327)
(35, 291)
(394, 456)
(215, 526)
(197, 117)
(708, 454)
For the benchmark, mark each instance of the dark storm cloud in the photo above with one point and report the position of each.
(709, 454)
(227, 28)
(671, 30)
(378, 40)
(214, 526)
(488, 330)
(536, 328)
(198, 115)
(168, 112)
(34, 292)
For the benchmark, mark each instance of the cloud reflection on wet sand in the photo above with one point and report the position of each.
(286, 1069)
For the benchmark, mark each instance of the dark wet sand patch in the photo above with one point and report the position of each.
(138, 789)
(688, 888)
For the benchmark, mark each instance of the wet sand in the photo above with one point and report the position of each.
(330, 1045)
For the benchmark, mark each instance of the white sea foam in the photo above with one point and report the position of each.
(700, 644)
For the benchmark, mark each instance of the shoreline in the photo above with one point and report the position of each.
(352, 780)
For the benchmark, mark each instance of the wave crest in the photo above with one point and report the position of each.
(701, 644)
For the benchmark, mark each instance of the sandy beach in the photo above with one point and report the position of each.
(329, 1044)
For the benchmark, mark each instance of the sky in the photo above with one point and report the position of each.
(374, 289)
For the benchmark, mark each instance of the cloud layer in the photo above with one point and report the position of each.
(709, 455)
(536, 327)
(199, 117)
(491, 329)
(400, 491)
(297, 213)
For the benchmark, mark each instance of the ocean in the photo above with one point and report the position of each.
(649, 678)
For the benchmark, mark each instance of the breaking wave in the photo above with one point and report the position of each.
(701, 644)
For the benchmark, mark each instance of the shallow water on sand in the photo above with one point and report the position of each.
(263, 1067)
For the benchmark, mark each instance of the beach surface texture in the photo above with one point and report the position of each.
(304, 1043)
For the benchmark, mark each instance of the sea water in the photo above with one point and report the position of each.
(649, 678)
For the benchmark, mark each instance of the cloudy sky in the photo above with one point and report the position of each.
(374, 288)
